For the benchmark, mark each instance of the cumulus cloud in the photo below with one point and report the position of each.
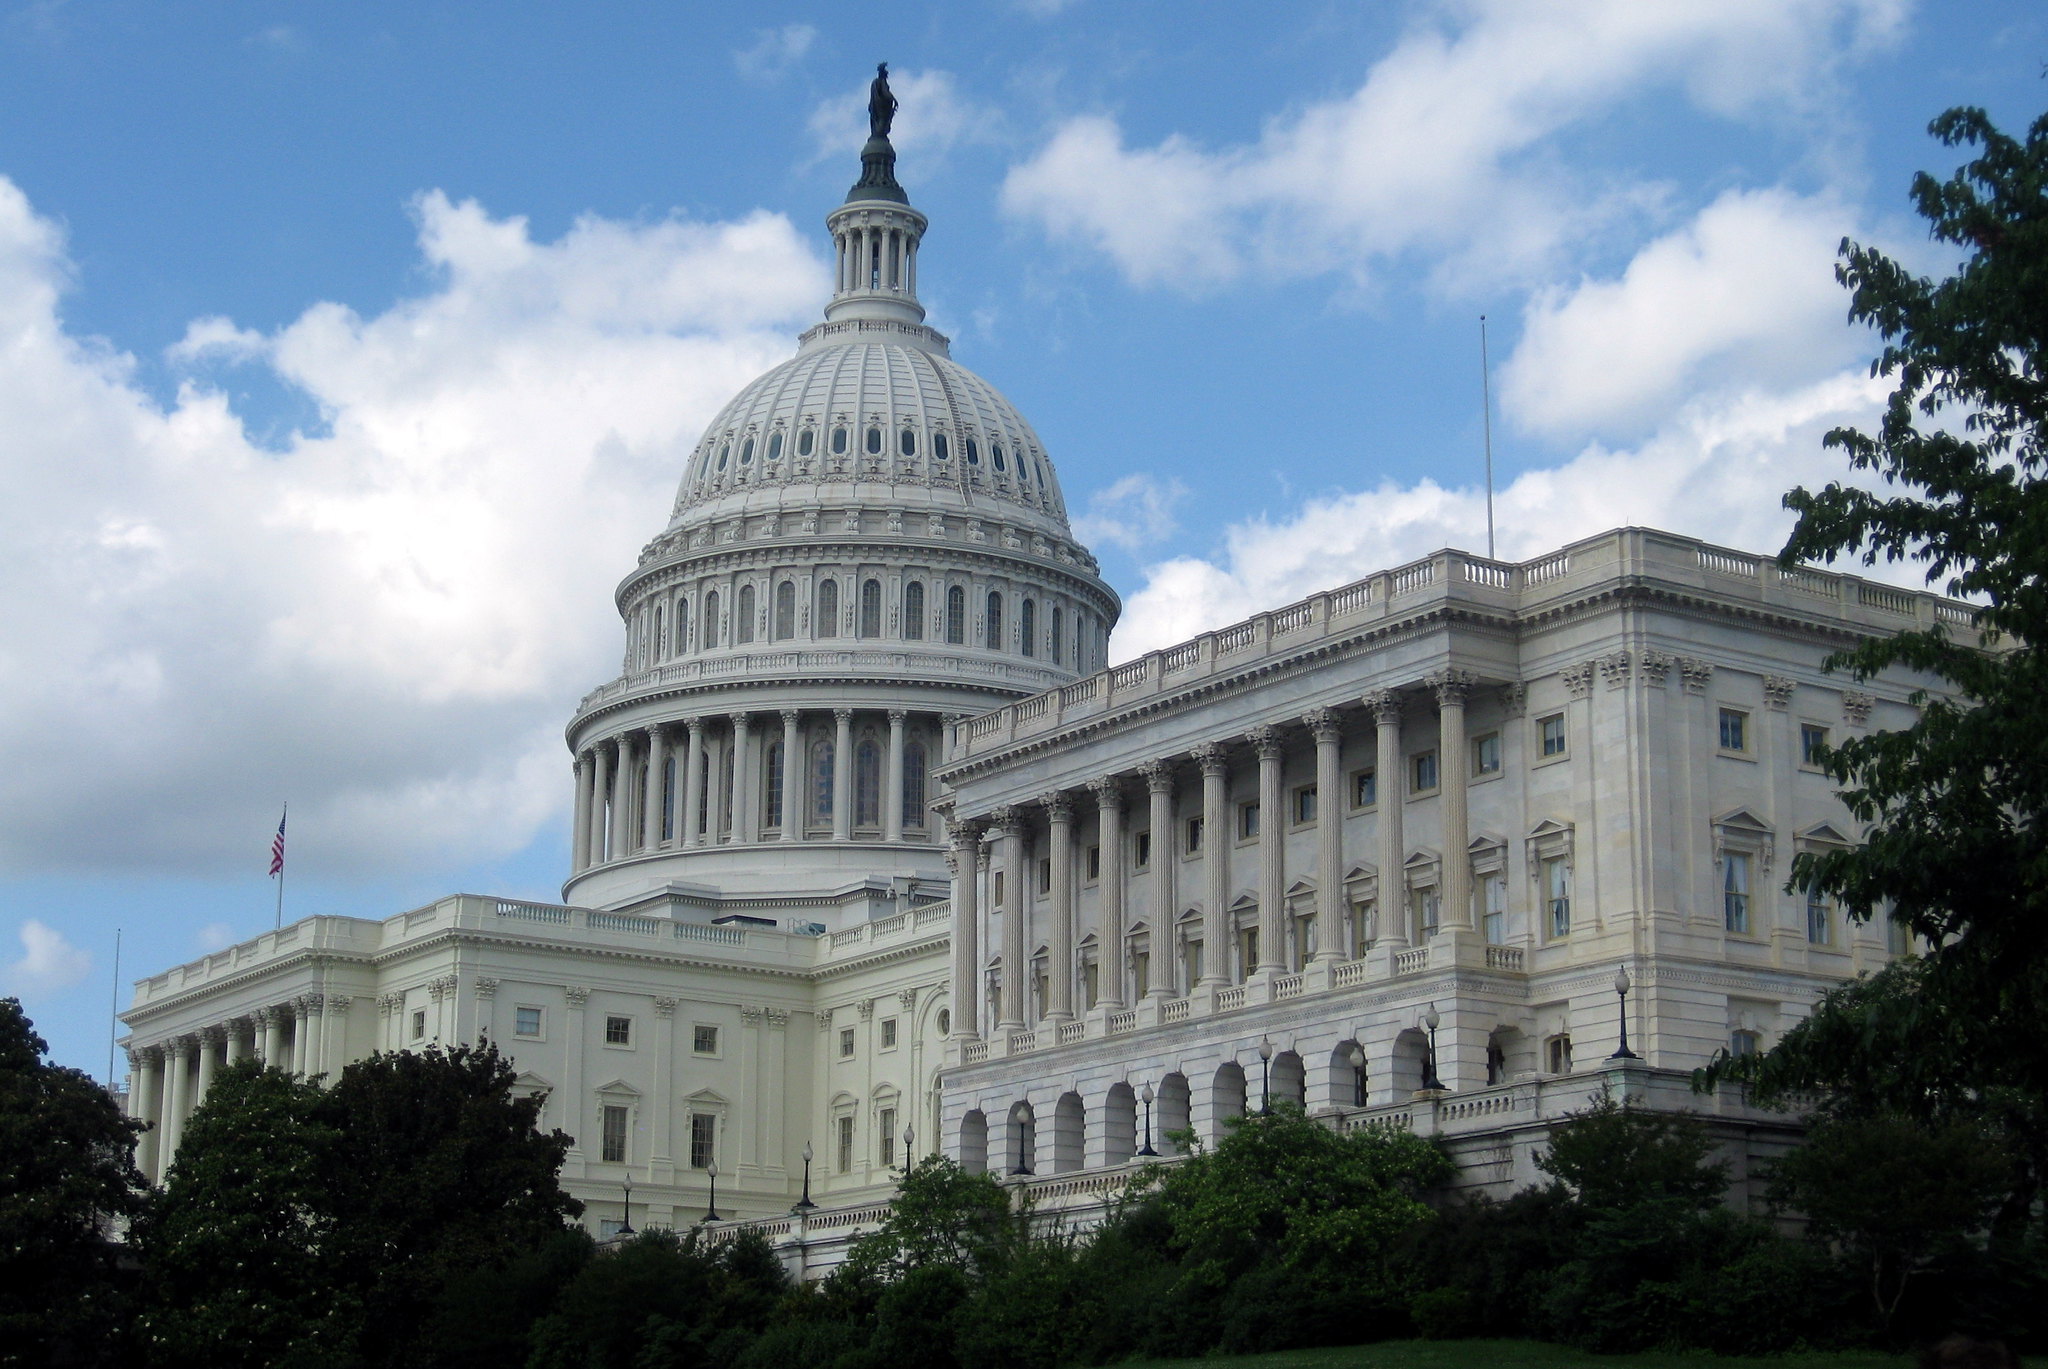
(1442, 150)
(774, 51)
(386, 620)
(215, 936)
(47, 965)
(1134, 513)
(934, 117)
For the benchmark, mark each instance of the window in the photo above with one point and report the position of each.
(1247, 821)
(1027, 628)
(703, 1139)
(939, 447)
(867, 785)
(1305, 803)
(1364, 926)
(711, 619)
(1044, 873)
(785, 611)
(1092, 863)
(838, 441)
(871, 608)
(1734, 730)
(913, 784)
(1422, 773)
(845, 1146)
(1735, 892)
(747, 452)
(1194, 842)
(913, 611)
(874, 441)
(1496, 1062)
(1813, 740)
(1486, 754)
(1557, 895)
(419, 1023)
(525, 1022)
(1742, 1043)
(1141, 851)
(743, 617)
(1365, 788)
(945, 1017)
(682, 625)
(614, 1134)
(1557, 1054)
(1427, 907)
(995, 621)
(846, 1043)
(822, 780)
(885, 1123)
(775, 445)
(828, 609)
(771, 788)
(888, 1033)
(1141, 968)
(1058, 635)
(618, 1031)
(1819, 932)
(956, 616)
(1550, 735)
(906, 442)
(995, 451)
(1247, 952)
(805, 440)
(704, 1040)
(1493, 899)
(973, 453)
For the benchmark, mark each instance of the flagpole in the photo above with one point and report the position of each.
(114, 1026)
(1486, 403)
(280, 900)
(278, 860)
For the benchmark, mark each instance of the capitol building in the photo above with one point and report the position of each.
(875, 854)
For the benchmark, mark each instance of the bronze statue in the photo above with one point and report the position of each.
(881, 104)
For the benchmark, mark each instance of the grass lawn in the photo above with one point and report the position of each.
(1518, 1354)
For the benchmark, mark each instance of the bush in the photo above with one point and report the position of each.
(1443, 1314)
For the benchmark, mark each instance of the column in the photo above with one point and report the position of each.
(334, 1034)
(1330, 805)
(307, 1034)
(962, 859)
(146, 1104)
(842, 774)
(1393, 910)
(661, 1156)
(892, 791)
(793, 795)
(621, 840)
(176, 1099)
(1454, 774)
(272, 1022)
(1109, 840)
(600, 792)
(1009, 829)
(234, 1053)
(1272, 850)
(579, 844)
(210, 1039)
(693, 785)
(575, 997)
(742, 768)
(652, 802)
(1059, 948)
(486, 990)
(1215, 863)
(1159, 789)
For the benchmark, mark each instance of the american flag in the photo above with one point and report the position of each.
(277, 847)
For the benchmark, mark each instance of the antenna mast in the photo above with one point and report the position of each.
(1486, 404)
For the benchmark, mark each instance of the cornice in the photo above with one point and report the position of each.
(743, 683)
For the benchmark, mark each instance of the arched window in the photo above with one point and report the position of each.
(747, 452)
(871, 608)
(785, 611)
(995, 451)
(939, 447)
(874, 441)
(743, 617)
(913, 784)
(805, 440)
(682, 626)
(838, 441)
(660, 632)
(828, 609)
(775, 445)
(913, 611)
(771, 789)
(668, 797)
(995, 621)
(1059, 636)
(906, 442)
(821, 780)
(708, 801)
(867, 784)
(956, 616)
(973, 453)
(711, 619)
(724, 454)
(1027, 621)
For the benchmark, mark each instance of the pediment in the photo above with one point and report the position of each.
(1825, 834)
(618, 1087)
(1742, 820)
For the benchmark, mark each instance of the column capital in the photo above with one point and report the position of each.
(1158, 776)
(308, 1003)
(897, 716)
(147, 1055)
(338, 1004)
(842, 716)
(1385, 705)
(967, 832)
(1058, 805)
(1266, 741)
(664, 1007)
(577, 995)
(1324, 724)
(263, 1017)
(790, 716)
(1005, 821)
(741, 720)
(1108, 791)
(1451, 686)
(696, 727)
(486, 988)
(1212, 759)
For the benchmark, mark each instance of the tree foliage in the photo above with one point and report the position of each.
(1613, 1155)
(941, 1215)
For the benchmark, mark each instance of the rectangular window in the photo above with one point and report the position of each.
(1427, 906)
(1141, 972)
(1818, 930)
(1093, 863)
(1812, 741)
(1247, 821)
(525, 1022)
(1486, 754)
(1735, 892)
(1734, 730)
(1557, 1054)
(1365, 788)
(703, 1139)
(888, 1033)
(1194, 835)
(1493, 893)
(846, 1043)
(1090, 982)
(998, 888)
(845, 1145)
(1363, 917)
(419, 1023)
(1141, 851)
(614, 1133)
(1742, 1043)
(1305, 804)
(886, 1122)
(1550, 735)
(1422, 773)
(1045, 874)
(618, 1031)
(1557, 896)
(1247, 952)
(704, 1040)
(1897, 939)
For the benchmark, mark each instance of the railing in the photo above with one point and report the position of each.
(1293, 618)
(531, 912)
(698, 931)
(1127, 676)
(1414, 577)
(1288, 986)
(1351, 597)
(1070, 1032)
(1954, 613)
(1816, 583)
(1889, 600)
(1510, 958)
(1179, 658)
(1411, 962)
(1031, 708)
(1117, 1023)
(1080, 691)
(1554, 567)
(933, 914)
(1727, 563)
(1347, 975)
(1230, 998)
(620, 922)
(883, 926)
(1023, 1041)
(1492, 574)
(1174, 1010)
(974, 1052)
(1233, 639)
(850, 936)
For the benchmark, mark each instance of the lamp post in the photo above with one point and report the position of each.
(626, 1227)
(1429, 1076)
(1147, 1095)
(1356, 1055)
(1265, 1077)
(1621, 992)
(711, 1212)
(805, 1201)
(909, 1141)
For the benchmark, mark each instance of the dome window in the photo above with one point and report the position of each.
(747, 452)
(973, 453)
(874, 441)
(939, 449)
(995, 450)
(775, 446)
(838, 441)
(906, 442)
(724, 451)
(804, 442)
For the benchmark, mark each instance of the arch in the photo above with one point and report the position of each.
(1023, 1156)
(973, 1145)
(995, 621)
(870, 608)
(1059, 635)
(711, 619)
(828, 609)
(1287, 1081)
(867, 783)
(956, 616)
(1027, 627)
(1173, 1113)
(914, 768)
(1349, 1078)
(821, 766)
(913, 611)
(1226, 1099)
(682, 627)
(1069, 1130)
(1119, 1124)
(743, 617)
(785, 610)
(1411, 1050)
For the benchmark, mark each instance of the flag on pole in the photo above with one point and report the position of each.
(277, 847)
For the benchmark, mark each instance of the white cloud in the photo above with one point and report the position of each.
(932, 118)
(386, 622)
(1442, 150)
(215, 936)
(775, 51)
(1134, 513)
(48, 963)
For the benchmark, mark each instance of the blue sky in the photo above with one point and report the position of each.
(353, 351)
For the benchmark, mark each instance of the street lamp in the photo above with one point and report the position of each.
(1621, 992)
(1265, 1077)
(1429, 1078)
(626, 1227)
(804, 1204)
(909, 1154)
(1356, 1055)
(1146, 1149)
(711, 1213)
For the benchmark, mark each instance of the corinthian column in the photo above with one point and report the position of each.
(792, 772)
(146, 1104)
(579, 844)
(962, 860)
(693, 786)
(177, 1097)
(892, 792)
(1159, 791)
(842, 774)
(1330, 798)
(1009, 830)
(1393, 916)
(1453, 776)
(742, 771)
(1109, 840)
(1059, 950)
(600, 791)
(1215, 862)
(1272, 848)
(653, 801)
(621, 844)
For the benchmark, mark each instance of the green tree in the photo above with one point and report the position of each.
(941, 1215)
(1614, 1155)
(663, 1299)
(67, 1176)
